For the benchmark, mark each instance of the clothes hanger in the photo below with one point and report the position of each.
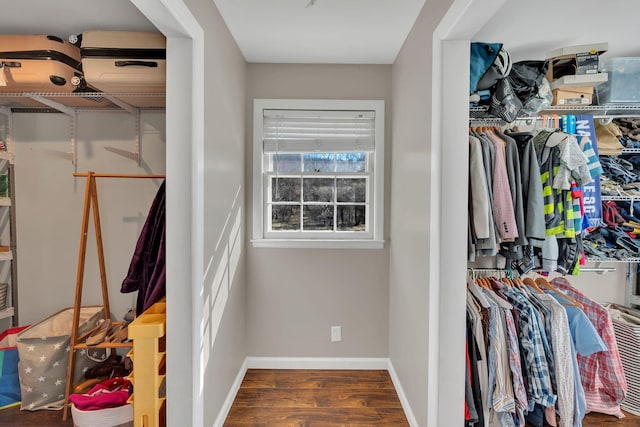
(486, 283)
(529, 282)
(508, 281)
(518, 283)
(473, 288)
(541, 281)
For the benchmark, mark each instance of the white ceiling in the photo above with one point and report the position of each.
(320, 31)
(63, 18)
(349, 31)
(528, 29)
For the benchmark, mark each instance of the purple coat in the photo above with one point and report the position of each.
(147, 271)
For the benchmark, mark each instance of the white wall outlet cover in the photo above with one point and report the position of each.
(336, 333)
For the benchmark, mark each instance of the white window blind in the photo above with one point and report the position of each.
(306, 131)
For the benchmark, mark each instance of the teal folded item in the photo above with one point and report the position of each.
(9, 378)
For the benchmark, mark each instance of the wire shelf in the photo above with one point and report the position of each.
(599, 260)
(597, 111)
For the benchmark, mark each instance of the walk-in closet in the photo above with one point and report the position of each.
(238, 310)
(605, 280)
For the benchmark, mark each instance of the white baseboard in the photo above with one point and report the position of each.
(402, 396)
(315, 363)
(233, 391)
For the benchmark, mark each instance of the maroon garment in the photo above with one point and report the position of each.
(147, 271)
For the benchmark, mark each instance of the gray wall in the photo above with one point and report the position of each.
(49, 205)
(294, 296)
(412, 206)
(220, 332)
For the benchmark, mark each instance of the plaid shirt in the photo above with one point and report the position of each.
(519, 391)
(532, 349)
(602, 373)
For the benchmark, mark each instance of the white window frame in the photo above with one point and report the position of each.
(374, 239)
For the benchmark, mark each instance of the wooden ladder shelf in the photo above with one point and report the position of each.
(90, 199)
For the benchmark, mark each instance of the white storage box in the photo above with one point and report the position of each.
(623, 85)
(122, 416)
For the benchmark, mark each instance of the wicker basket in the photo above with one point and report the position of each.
(122, 416)
(4, 291)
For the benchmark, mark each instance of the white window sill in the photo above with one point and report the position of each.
(317, 244)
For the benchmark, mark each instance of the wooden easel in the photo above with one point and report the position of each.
(90, 198)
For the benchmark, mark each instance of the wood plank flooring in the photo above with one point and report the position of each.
(334, 398)
(269, 397)
(303, 398)
(14, 417)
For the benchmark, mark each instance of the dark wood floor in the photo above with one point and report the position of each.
(14, 417)
(303, 397)
(269, 397)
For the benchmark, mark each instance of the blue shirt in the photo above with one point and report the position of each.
(585, 336)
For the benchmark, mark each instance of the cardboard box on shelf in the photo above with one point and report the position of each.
(575, 60)
(573, 95)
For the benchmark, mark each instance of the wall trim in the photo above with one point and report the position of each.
(404, 401)
(233, 391)
(316, 363)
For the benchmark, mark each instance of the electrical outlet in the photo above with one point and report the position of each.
(336, 333)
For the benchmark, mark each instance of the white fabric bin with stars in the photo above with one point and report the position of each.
(44, 349)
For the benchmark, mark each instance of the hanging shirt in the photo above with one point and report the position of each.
(512, 160)
(532, 349)
(503, 213)
(573, 164)
(470, 412)
(519, 390)
(531, 188)
(482, 216)
(602, 373)
(563, 357)
(475, 315)
(488, 247)
(501, 401)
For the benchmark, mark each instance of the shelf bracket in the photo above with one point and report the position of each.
(126, 107)
(135, 112)
(73, 115)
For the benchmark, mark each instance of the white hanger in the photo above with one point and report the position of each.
(475, 290)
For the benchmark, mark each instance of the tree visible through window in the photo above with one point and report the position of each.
(319, 171)
(319, 192)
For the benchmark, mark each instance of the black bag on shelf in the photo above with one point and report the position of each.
(526, 78)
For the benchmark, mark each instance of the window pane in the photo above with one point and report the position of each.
(318, 162)
(285, 217)
(318, 217)
(352, 190)
(351, 218)
(285, 189)
(351, 162)
(318, 189)
(286, 162)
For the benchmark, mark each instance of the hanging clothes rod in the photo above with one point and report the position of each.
(484, 272)
(115, 175)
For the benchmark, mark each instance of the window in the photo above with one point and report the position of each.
(318, 173)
